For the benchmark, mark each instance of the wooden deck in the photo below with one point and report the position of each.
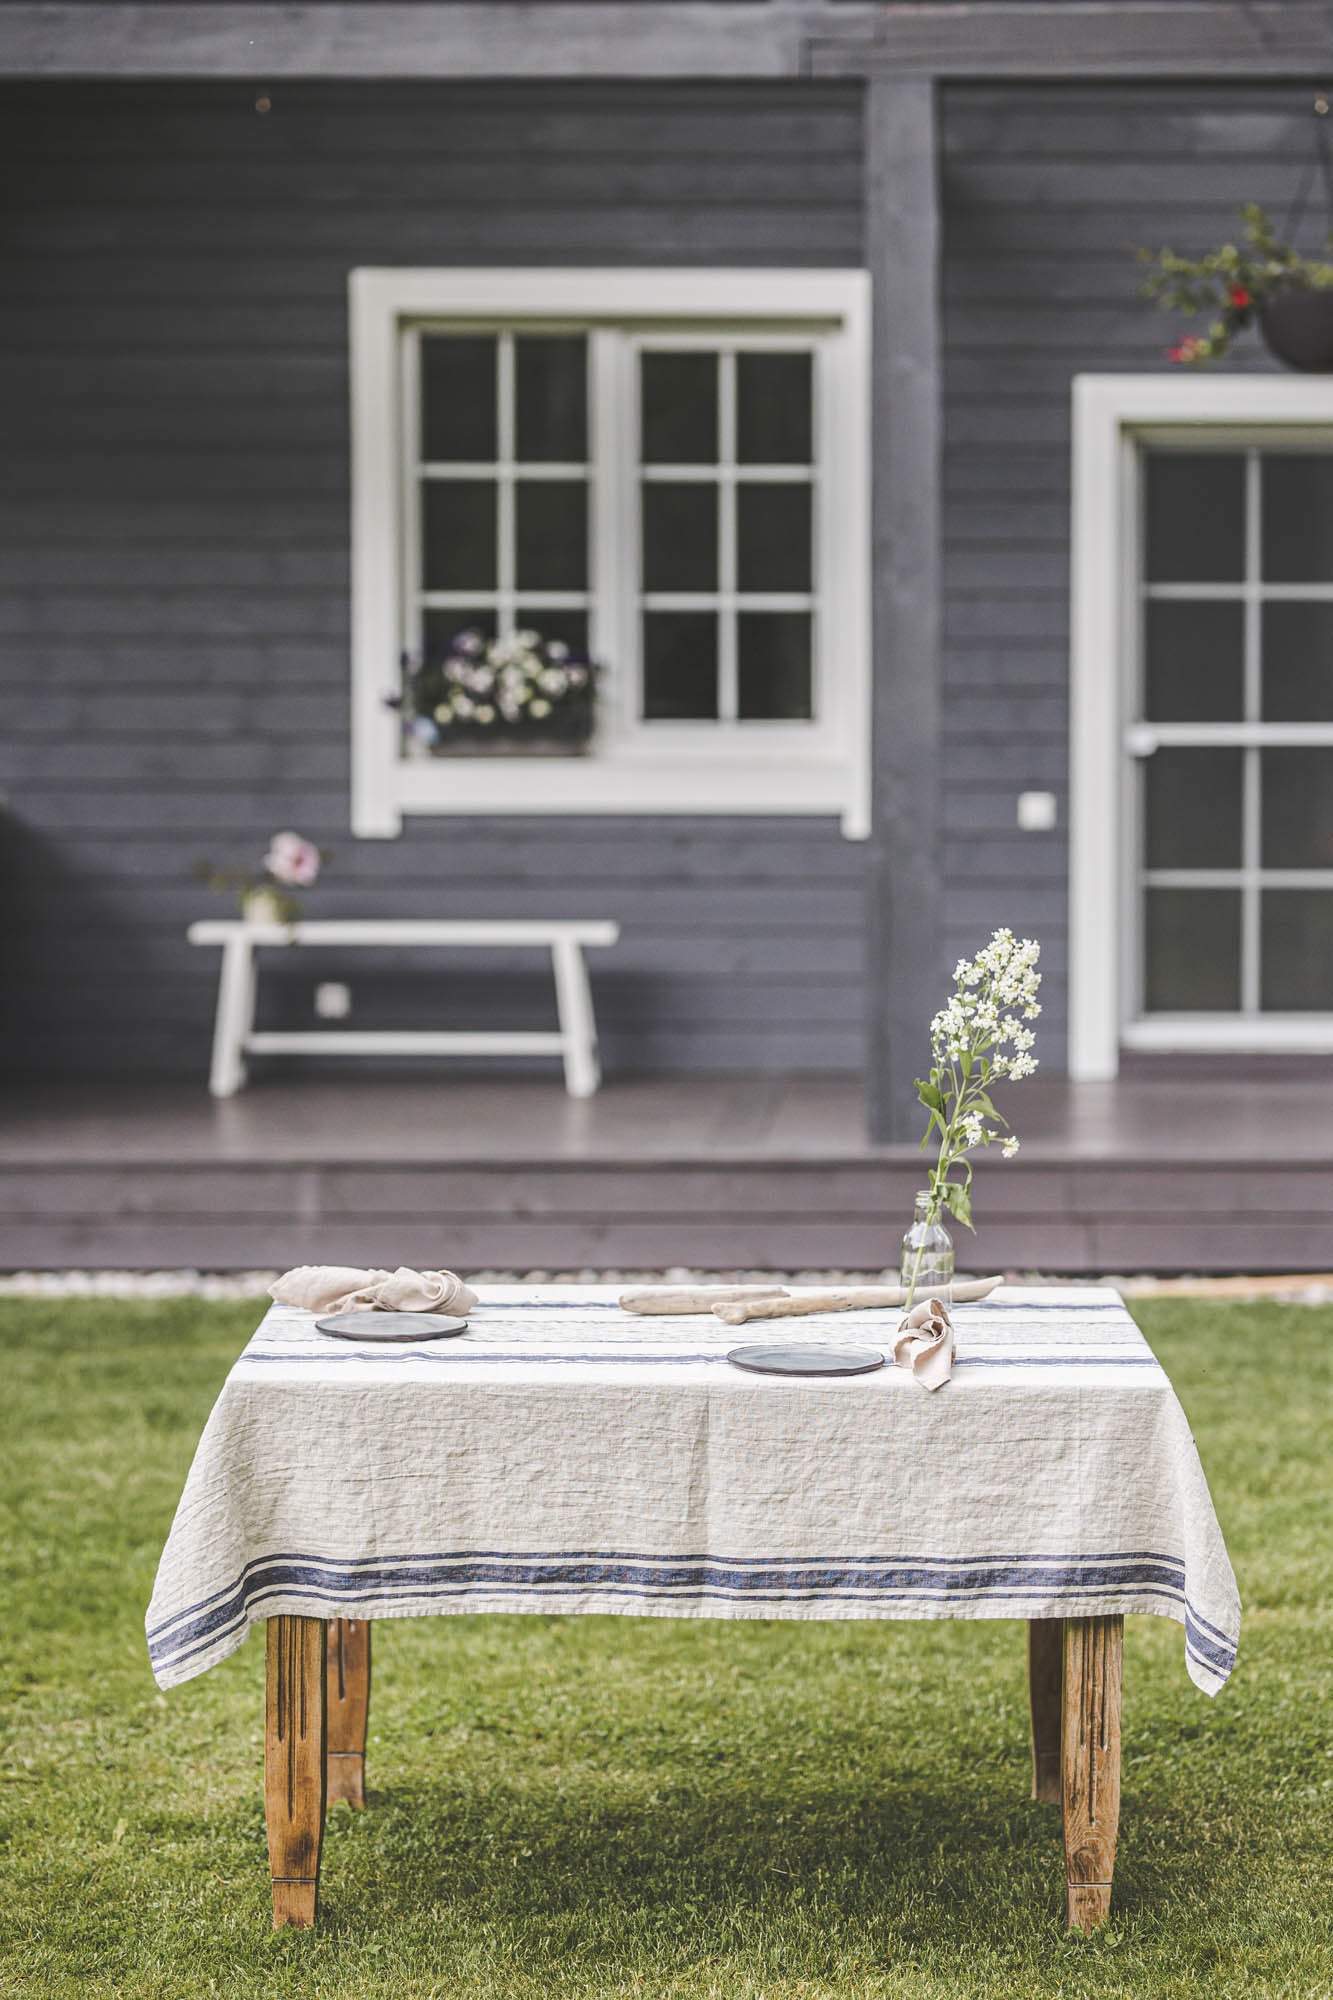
(1165, 1173)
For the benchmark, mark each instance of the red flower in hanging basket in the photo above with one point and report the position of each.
(1239, 297)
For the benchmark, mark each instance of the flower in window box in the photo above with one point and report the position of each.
(517, 694)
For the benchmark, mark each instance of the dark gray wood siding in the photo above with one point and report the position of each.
(173, 613)
(1047, 191)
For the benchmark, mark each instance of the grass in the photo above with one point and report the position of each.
(597, 1807)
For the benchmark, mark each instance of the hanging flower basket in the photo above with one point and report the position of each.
(1297, 327)
(1263, 280)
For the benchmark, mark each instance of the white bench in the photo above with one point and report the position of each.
(234, 1033)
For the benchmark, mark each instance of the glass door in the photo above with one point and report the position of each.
(1229, 746)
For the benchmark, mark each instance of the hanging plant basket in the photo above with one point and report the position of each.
(1297, 327)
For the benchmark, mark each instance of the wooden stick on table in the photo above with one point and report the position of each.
(694, 1298)
(294, 1768)
(850, 1298)
(1090, 1761)
(348, 1707)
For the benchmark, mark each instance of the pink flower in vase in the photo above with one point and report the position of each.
(292, 860)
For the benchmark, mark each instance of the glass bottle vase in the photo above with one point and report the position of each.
(926, 1268)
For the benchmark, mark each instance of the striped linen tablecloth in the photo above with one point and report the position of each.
(563, 1456)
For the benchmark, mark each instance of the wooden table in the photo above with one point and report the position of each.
(318, 1700)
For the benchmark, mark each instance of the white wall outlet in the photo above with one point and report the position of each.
(1036, 811)
(333, 1000)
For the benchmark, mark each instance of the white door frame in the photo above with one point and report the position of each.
(1111, 414)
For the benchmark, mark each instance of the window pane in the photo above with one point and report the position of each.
(1192, 808)
(679, 536)
(1193, 668)
(551, 393)
(1297, 519)
(569, 626)
(773, 537)
(1191, 951)
(458, 535)
(1297, 931)
(551, 534)
(1297, 808)
(679, 399)
(1298, 663)
(1196, 517)
(773, 649)
(679, 666)
(458, 396)
(774, 416)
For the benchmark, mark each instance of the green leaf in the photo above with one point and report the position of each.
(930, 1095)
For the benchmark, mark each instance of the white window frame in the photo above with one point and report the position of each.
(638, 767)
(1113, 416)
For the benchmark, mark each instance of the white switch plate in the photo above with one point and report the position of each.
(333, 1000)
(1036, 811)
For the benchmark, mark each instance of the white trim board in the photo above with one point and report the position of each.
(1111, 415)
(777, 768)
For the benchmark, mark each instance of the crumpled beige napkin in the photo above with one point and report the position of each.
(925, 1343)
(335, 1288)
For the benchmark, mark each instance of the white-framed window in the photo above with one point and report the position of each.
(1201, 762)
(669, 469)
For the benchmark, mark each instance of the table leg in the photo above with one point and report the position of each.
(294, 1744)
(578, 1025)
(348, 1707)
(1090, 1761)
(1045, 1680)
(235, 1016)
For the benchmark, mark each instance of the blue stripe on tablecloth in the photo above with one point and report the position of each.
(758, 1580)
(528, 1356)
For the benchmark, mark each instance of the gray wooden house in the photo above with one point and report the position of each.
(787, 355)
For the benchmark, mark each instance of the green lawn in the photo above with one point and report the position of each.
(595, 1807)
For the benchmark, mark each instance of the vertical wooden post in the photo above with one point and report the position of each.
(903, 875)
(1045, 1681)
(348, 1709)
(1090, 1760)
(294, 1744)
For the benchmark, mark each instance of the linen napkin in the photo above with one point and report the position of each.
(335, 1288)
(925, 1343)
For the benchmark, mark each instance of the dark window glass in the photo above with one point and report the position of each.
(1192, 951)
(679, 403)
(458, 534)
(1194, 661)
(1296, 926)
(1297, 808)
(1192, 806)
(774, 415)
(1196, 517)
(441, 627)
(1298, 663)
(679, 666)
(1297, 518)
(551, 397)
(679, 535)
(551, 534)
(458, 396)
(773, 537)
(773, 666)
(569, 626)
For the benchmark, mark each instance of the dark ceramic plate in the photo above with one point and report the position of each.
(799, 1359)
(390, 1326)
